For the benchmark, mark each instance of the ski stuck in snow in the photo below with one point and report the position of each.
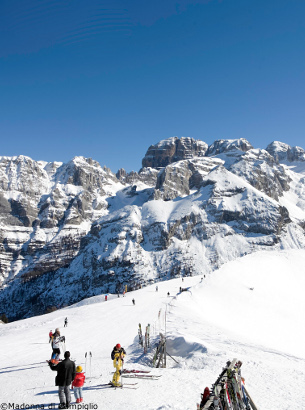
(228, 392)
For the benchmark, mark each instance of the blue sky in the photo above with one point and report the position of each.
(106, 79)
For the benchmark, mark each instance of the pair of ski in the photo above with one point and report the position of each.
(140, 335)
(141, 376)
(135, 371)
(133, 386)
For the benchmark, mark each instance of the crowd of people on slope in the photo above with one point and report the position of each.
(68, 373)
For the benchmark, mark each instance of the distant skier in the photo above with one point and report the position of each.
(66, 322)
(106, 297)
(56, 341)
(78, 383)
(65, 375)
(117, 355)
(168, 294)
(182, 279)
(50, 336)
(156, 288)
(133, 301)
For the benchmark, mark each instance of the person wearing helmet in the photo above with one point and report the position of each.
(117, 355)
(78, 383)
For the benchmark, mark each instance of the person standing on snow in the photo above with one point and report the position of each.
(117, 355)
(57, 339)
(65, 376)
(50, 336)
(78, 383)
(133, 301)
(66, 322)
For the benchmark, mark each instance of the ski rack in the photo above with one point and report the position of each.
(229, 388)
(159, 359)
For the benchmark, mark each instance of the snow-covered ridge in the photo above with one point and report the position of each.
(69, 231)
(283, 152)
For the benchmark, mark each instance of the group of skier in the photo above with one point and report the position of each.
(68, 373)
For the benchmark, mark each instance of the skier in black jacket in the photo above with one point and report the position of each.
(65, 376)
(118, 349)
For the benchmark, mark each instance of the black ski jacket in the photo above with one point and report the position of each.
(115, 350)
(65, 372)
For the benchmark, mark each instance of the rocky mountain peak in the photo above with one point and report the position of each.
(284, 152)
(22, 174)
(172, 150)
(222, 146)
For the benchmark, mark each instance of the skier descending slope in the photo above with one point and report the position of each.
(117, 355)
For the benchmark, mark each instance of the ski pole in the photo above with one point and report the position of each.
(90, 362)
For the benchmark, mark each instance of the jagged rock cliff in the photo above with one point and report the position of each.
(172, 150)
(69, 231)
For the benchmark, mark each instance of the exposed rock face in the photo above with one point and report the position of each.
(222, 146)
(173, 181)
(261, 171)
(172, 150)
(146, 175)
(283, 152)
(41, 205)
(179, 178)
(70, 231)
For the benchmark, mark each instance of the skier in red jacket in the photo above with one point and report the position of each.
(78, 383)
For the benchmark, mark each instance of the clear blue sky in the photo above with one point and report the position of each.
(106, 79)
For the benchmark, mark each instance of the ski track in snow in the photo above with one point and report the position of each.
(202, 332)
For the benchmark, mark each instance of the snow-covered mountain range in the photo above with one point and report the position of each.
(74, 230)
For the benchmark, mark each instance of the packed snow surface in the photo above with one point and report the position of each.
(252, 309)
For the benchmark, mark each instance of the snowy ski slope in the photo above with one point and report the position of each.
(252, 309)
